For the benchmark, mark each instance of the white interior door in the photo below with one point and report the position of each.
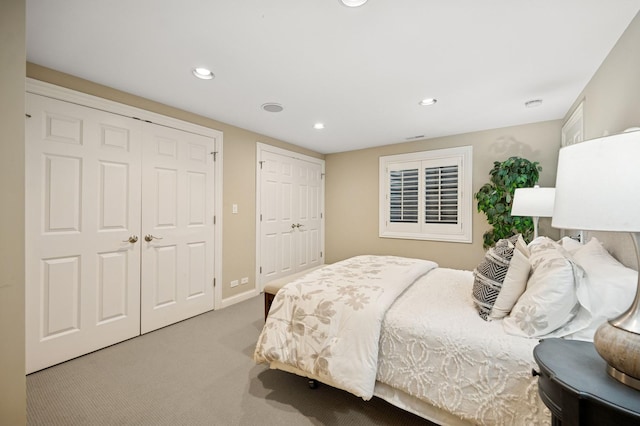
(83, 209)
(290, 225)
(308, 221)
(87, 218)
(178, 226)
(277, 216)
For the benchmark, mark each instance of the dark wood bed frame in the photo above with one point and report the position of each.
(268, 300)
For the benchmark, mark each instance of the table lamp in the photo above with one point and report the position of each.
(598, 188)
(535, 202)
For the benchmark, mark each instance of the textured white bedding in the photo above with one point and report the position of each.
(436, 348)
(435, 356)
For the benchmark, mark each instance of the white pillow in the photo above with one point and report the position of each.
(549, 303)
(515, 282)
(610, 286)
(521, 246)
(570, 245)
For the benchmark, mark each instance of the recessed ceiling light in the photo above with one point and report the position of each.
(318, 126)
(203, 73)
(428, 101)
(272, 107)
(533, 103)
(353, 3)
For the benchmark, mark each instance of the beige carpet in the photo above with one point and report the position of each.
(197, 372)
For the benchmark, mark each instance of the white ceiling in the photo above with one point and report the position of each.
(360, 71)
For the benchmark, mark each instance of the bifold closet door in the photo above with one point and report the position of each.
(82, 237)
(178, 226)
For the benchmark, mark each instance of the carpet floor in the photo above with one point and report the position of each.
(196, 372)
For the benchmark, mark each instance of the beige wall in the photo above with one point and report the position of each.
(239, 169)
(352, 192)
(612, 96)
(611, 104)
(13, 398)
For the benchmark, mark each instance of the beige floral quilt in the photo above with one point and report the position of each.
(327, 323)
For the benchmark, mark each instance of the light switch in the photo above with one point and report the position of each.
(234, 209)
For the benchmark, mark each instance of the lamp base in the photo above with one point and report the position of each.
(621, 349)
(623, 378)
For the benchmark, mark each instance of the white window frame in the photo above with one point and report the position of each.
(460, 232)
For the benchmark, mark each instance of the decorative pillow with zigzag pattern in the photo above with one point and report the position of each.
(490, 274)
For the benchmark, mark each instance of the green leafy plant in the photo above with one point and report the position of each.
(495, 198)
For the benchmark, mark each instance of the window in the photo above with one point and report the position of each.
(427, 195)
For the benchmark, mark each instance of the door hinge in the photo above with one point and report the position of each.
(214, 283)
(214, 219)
(321, 215)
(322, 175)
(320, 254)
(261, 269)
(215, 155)
(260, 217)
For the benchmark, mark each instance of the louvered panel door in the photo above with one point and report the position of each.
(178, 228)
(82, 208)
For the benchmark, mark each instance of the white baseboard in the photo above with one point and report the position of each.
(238, 298)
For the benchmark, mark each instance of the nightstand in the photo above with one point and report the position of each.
(574, 384)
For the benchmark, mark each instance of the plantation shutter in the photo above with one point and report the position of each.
(404, 196)
(441, 195)
(427, 195)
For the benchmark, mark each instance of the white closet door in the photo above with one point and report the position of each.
(309, 221)
(278, 216)
(177, 223)
(83, 206)
(290, 234)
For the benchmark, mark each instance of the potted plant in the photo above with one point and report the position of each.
(495, 198)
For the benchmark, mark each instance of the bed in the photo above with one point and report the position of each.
(423, 338)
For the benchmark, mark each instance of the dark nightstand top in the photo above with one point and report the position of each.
(575, 386)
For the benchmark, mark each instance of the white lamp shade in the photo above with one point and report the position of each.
(598, 185)
(534, 202)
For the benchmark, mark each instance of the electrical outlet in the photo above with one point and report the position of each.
(234, 283)
(244, 280)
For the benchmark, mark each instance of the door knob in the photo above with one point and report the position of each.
(148, 238)
(132, 239)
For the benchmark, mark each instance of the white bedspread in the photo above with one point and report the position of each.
(327, 323)
(435, 347)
